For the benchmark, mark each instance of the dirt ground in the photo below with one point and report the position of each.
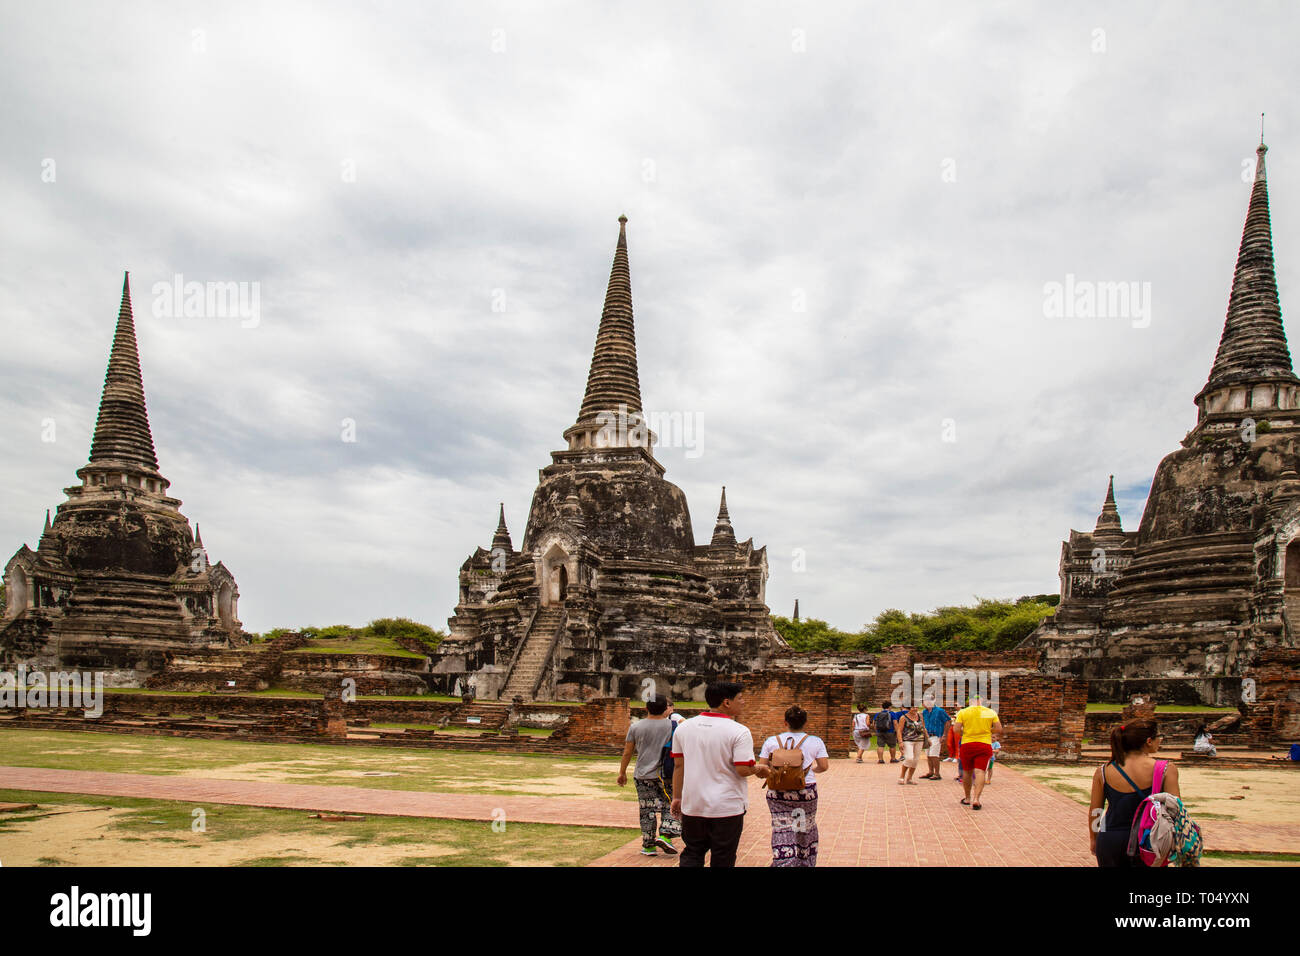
(1268, 795)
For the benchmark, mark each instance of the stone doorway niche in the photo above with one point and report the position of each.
(17, 593)
(555, 575)
(1291, 569)
(226, 605)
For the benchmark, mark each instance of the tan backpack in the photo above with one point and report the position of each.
(786, 766)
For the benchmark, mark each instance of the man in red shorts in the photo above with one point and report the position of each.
(978, 726)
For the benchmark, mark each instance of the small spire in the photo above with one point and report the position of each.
(502, 538)
(796, 610)
(198, 536)
(722, 531)
(1108, 522)
(47, 523)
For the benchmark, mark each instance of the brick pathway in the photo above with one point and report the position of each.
(1022, 823)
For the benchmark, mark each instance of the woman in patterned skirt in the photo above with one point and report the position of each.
(794, 812)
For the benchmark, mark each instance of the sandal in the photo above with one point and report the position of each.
(974, 806)
(965, 802)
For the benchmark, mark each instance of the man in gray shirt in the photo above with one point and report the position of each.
(648, 738)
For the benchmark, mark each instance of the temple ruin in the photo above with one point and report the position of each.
(117, 581)
(608, 589)
(1208, 587)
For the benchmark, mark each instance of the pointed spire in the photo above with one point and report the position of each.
(1253, 346)
(122, 435)
(1108, 522)
(796, 610)
(612, 380)
(198, 536)
(47, 523)
(722, 531)
(502, 538)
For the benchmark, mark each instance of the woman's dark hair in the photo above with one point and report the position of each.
(796, 717)
(1130, 737)
(1201, 730)
(862, 706)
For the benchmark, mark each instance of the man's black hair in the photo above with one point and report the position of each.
(721, 690)
(656, 705)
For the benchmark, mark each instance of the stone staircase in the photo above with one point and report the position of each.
(491, 717)
(534, 655)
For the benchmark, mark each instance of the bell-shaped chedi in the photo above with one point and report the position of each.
(1209, 579)
(609, 592)
(117, 581)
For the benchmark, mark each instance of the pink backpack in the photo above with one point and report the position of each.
(1145, 818)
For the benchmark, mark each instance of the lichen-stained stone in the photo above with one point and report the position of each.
(1210, 581)
(118, 583)
(609, 595)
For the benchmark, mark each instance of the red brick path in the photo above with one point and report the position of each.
(865, 818)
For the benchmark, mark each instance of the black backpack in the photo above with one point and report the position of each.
(666, 762)
(884, 722)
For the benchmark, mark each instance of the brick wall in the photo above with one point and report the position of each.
(1275, 712)
(828, 701)
(603, 721)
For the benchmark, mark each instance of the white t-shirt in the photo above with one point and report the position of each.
(676, 718)
(812, 747)
(860, 724)
(711, 746)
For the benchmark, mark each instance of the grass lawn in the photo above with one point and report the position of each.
(444, 771)
(365, 644)
(1268, 795)
(1163, 709)
(88, 830)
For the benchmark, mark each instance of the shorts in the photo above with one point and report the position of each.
(975, 756)
(911, 752)
(887, 740)
(935, 743)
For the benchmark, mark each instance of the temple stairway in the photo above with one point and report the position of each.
(534, 655)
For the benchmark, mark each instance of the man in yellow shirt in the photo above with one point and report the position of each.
(979, 727)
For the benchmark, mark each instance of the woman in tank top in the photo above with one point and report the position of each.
(1119, 787)
(911, 728)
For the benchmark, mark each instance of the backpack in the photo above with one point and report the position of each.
(666, 762)
(786, 765)
(1162, 833)
(883, 722)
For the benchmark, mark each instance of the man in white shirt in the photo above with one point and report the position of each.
(713, 755)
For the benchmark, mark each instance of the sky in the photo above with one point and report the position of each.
(846, 221)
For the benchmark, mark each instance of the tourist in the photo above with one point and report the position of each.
(861, 731)
(978, 725)
(713, 753)
(993, 758)
(883, 722)
(1204, 742)
(937, 723)
(911, 728)
(648, 737)
(1121, 785)
(954, 747)
(794, 812)
(675, 717)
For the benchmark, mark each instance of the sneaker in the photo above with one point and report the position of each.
(666, 845)
(648, 851)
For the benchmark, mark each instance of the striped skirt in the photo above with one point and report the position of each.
(794, 826)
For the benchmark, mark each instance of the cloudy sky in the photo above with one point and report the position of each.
(842, 221)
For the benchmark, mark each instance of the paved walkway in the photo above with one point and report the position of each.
(864, 817)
